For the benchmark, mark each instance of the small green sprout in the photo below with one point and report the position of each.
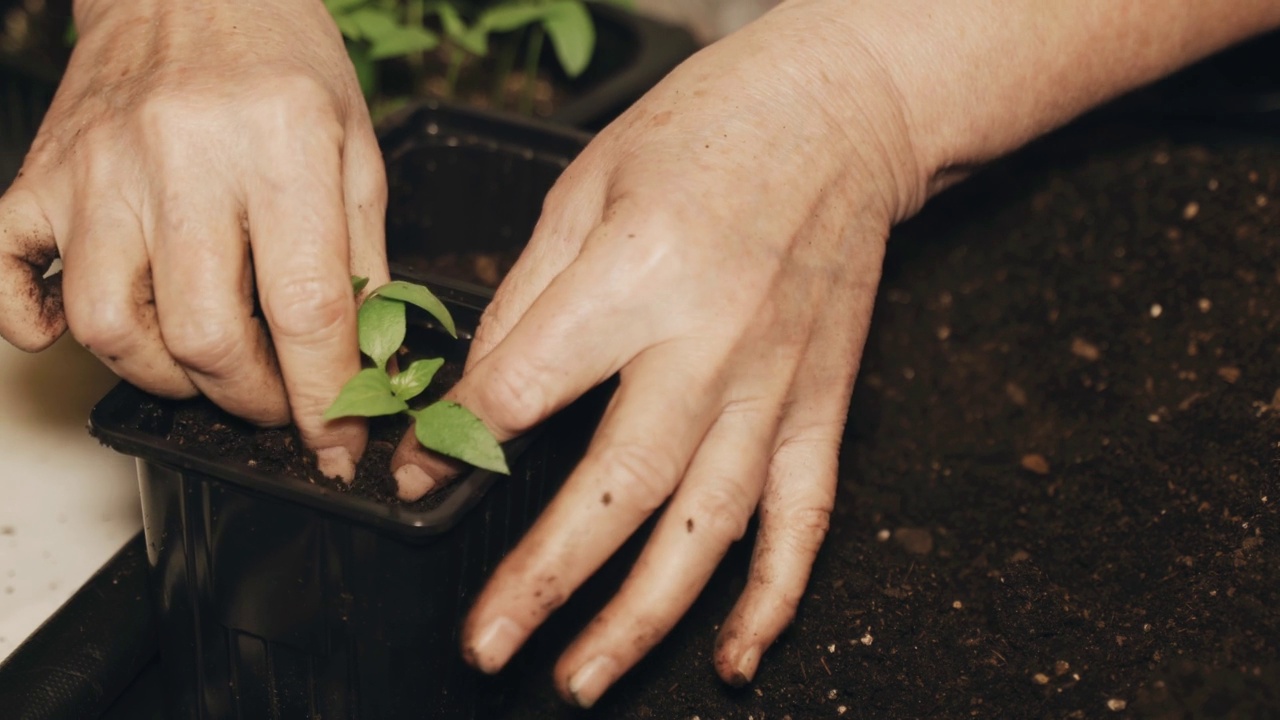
(445, 427)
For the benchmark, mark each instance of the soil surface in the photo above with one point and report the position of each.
(206, 430)
(1059, 494)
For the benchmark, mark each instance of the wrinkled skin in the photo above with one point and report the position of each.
(185, 136)
(719, 247)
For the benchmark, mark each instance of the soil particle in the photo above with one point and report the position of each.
(1036, 463)
(1084, 349)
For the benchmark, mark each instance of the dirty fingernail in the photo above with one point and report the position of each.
(496, 644)
(336, 462)
(413, 482)
(589, 683)
(747, 665)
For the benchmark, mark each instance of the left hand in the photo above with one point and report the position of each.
(719, 247)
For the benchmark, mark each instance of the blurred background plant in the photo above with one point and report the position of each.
(482, 52)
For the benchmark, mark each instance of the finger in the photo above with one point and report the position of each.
(31, 316)
(569, 212)
(364, 188)
(709, 512)
(657, 419)
(795, 509)
(204, 302)
(109, 302)
(298, 233)
(579, 332)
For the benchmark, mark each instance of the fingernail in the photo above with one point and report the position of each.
(336, 462)
(589, 683)
(495, 646)
(747, 665)
(413, 482)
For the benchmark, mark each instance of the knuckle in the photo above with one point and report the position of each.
(296, 102)
(201, 341)
(107, 327)
(721, 510)
(804, 529)
(513, 396)
(641, 473)
(305, 307)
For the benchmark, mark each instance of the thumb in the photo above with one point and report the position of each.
(31, 315)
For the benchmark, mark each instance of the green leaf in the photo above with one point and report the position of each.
(374, 23)
(358, 283)
(403, 41)
(450, 19)
(421, 297)
(409, 383)
(450, 429)
(510, 16)
(348, 27)
(572, 35)
(368, 394)
(474, 40)
(382, 328)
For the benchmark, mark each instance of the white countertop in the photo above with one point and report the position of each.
(67, 504)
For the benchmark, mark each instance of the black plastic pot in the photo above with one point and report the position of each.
(281, 599)
(464, 181)
(284, 599)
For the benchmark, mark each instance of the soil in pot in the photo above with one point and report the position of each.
(205, 430)
(1060, 487)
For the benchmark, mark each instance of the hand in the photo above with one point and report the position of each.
(184, 137)
(719, 247)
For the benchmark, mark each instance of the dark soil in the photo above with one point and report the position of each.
(1059, 493)
(207, 431)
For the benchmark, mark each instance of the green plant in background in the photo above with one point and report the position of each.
(445, 427)
(378, 30)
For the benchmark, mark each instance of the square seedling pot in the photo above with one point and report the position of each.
(276, 598)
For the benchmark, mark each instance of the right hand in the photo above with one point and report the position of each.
(184, 138)
(718, 247)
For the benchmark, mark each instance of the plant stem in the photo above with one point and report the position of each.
(456, 57)
(532, 55)
(506, 62)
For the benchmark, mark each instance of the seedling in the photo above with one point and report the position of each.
(445, 427)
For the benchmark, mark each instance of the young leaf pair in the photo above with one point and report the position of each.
(445, 427)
